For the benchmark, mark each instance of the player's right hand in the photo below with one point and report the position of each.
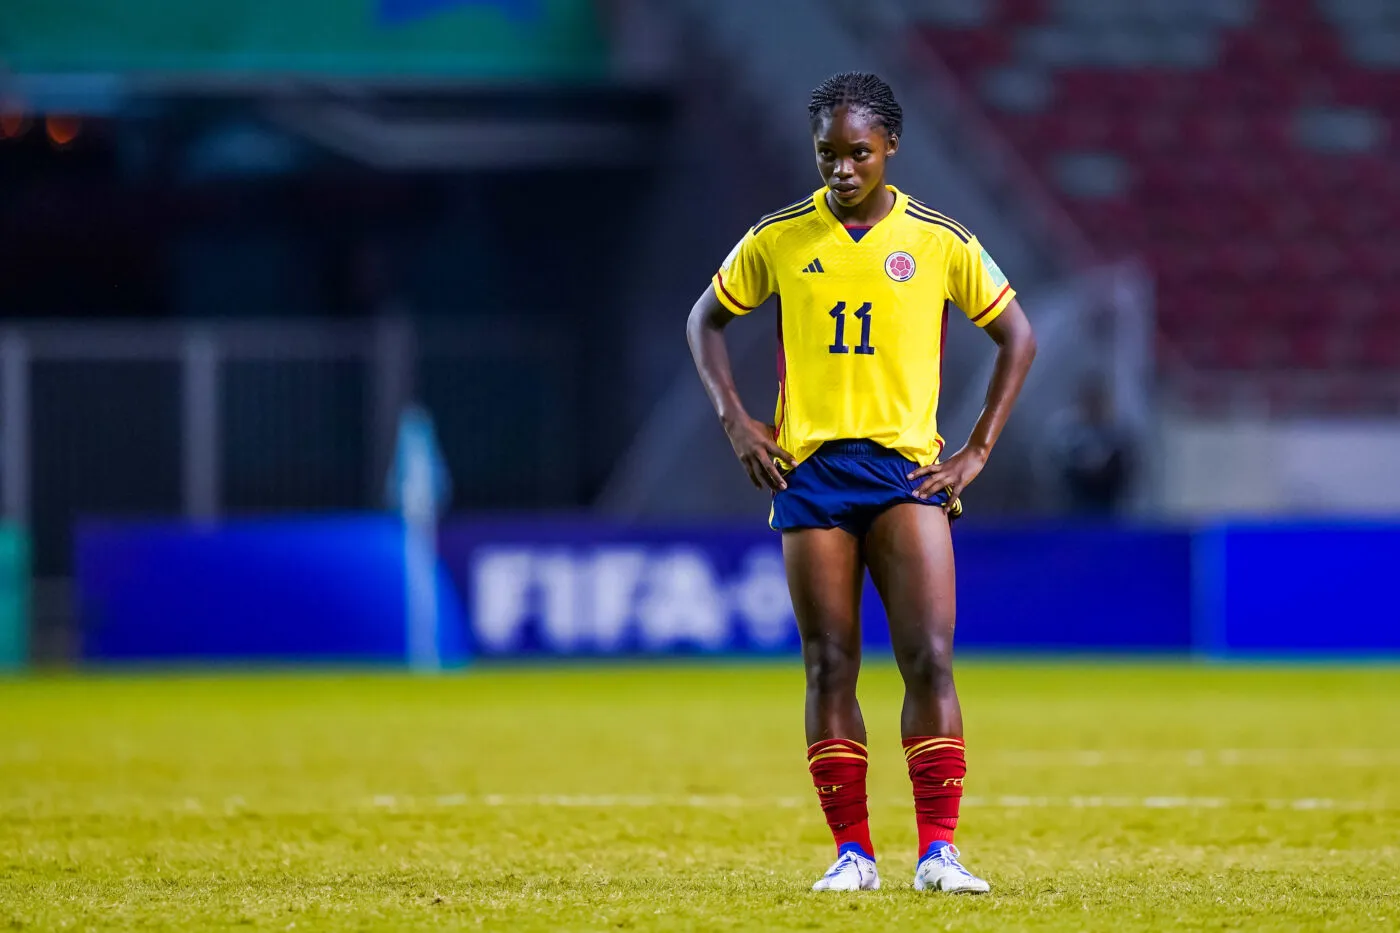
(754, 446)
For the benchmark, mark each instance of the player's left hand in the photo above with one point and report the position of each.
(953, 474)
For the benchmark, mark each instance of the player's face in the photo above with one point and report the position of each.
(852, 148)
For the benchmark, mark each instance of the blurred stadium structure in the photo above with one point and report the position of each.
(236, 240)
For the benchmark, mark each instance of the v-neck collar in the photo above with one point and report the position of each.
(901, 201)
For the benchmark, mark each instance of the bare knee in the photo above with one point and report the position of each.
(832, 665)
(927, 664)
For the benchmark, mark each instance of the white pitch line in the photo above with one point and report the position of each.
(1006, 802)
(1192, 757)
(1093, 758)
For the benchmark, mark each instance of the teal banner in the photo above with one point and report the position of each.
(14, 598)
(483, 39)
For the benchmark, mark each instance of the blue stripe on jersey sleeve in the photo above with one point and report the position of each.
(916, 204)
(811, 208)
(942, 223)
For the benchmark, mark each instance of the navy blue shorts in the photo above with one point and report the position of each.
(846, 484)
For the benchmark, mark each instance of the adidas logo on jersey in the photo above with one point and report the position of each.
(814, 266)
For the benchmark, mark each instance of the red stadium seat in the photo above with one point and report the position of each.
(1380, 346)
(969, 51)
(1351, 303)
(1020, 12)
(1369, 260)
(1314, 346)
(1356, 87)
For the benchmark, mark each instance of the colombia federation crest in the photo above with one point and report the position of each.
(900, 266)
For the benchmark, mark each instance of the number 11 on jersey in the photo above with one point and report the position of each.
(862, 313)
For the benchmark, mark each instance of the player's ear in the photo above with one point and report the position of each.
(892, 147)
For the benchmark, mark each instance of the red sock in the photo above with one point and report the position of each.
(838, 771)
(936, 768)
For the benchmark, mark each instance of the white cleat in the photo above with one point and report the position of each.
(940, 870)
(852, 871)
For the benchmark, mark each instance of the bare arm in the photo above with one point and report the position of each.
(1015, 351)
(752, 440)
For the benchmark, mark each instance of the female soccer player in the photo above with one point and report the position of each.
(864, 274)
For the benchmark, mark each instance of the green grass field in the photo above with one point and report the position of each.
(1101, 797)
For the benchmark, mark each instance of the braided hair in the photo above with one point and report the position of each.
(858, 90)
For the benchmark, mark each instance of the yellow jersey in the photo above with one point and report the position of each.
(862, 315)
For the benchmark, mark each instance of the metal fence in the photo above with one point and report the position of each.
(204, 420)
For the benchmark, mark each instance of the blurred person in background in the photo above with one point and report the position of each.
(865, 274)
(1094, 453)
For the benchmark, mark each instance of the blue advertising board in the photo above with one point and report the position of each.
(336, 589)
(1074, 587)
(1313, 589)
(584, 587)
(298, 590)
